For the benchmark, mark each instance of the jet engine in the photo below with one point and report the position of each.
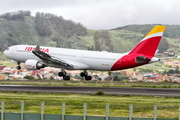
(34, 64)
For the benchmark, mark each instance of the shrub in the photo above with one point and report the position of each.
(29, 77)
(100, 93)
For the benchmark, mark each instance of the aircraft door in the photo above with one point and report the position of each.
(13, 51)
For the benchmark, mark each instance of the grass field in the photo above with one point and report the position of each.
(119, 105)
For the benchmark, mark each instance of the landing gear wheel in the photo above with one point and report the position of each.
(62, 74)
(18, 67)
(83, 74)
(88, 77)
(66, 77)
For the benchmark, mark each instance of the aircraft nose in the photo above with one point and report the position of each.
(5, 52)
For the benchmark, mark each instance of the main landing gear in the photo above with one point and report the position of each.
(63, 74)
(85, 75)
(82, 74)
(18, 67)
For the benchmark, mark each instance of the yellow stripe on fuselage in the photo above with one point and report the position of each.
(156, 29)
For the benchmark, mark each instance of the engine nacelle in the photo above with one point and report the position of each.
(34, 65)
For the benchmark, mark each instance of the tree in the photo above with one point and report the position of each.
(170, 71)
(102, 41)
(176, 71)
(51, 78)
(97, 41)
(163, 46)
(29, 77)
(115, 78)
(49, 24)
(16, 15)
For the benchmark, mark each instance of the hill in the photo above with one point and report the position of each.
(172, 31)
(47, 29)
(43, 29)
(170, 37)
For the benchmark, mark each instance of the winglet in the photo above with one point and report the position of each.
(149, 44)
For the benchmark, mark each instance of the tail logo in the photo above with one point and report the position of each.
(143, 52)
(149, 44)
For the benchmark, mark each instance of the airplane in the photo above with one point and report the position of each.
(37, 57)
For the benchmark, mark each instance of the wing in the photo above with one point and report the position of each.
(50, 59)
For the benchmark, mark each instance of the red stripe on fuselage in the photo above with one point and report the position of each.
(127, 61)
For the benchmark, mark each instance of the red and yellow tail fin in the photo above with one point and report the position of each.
(149, 44)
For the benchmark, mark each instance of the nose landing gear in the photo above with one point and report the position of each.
(18, 67)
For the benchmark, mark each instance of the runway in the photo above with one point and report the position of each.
(92, 90)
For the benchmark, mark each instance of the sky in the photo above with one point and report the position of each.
(102, 14)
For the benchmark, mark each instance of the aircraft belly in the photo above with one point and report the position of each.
(88, 64)
(99, 65)
(78, 66)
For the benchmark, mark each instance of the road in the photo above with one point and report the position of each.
(92, 90)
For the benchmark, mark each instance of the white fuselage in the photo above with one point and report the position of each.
(81, 59)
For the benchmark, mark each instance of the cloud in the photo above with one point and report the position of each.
(103, 14)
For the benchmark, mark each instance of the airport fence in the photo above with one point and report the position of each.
(42, 116)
